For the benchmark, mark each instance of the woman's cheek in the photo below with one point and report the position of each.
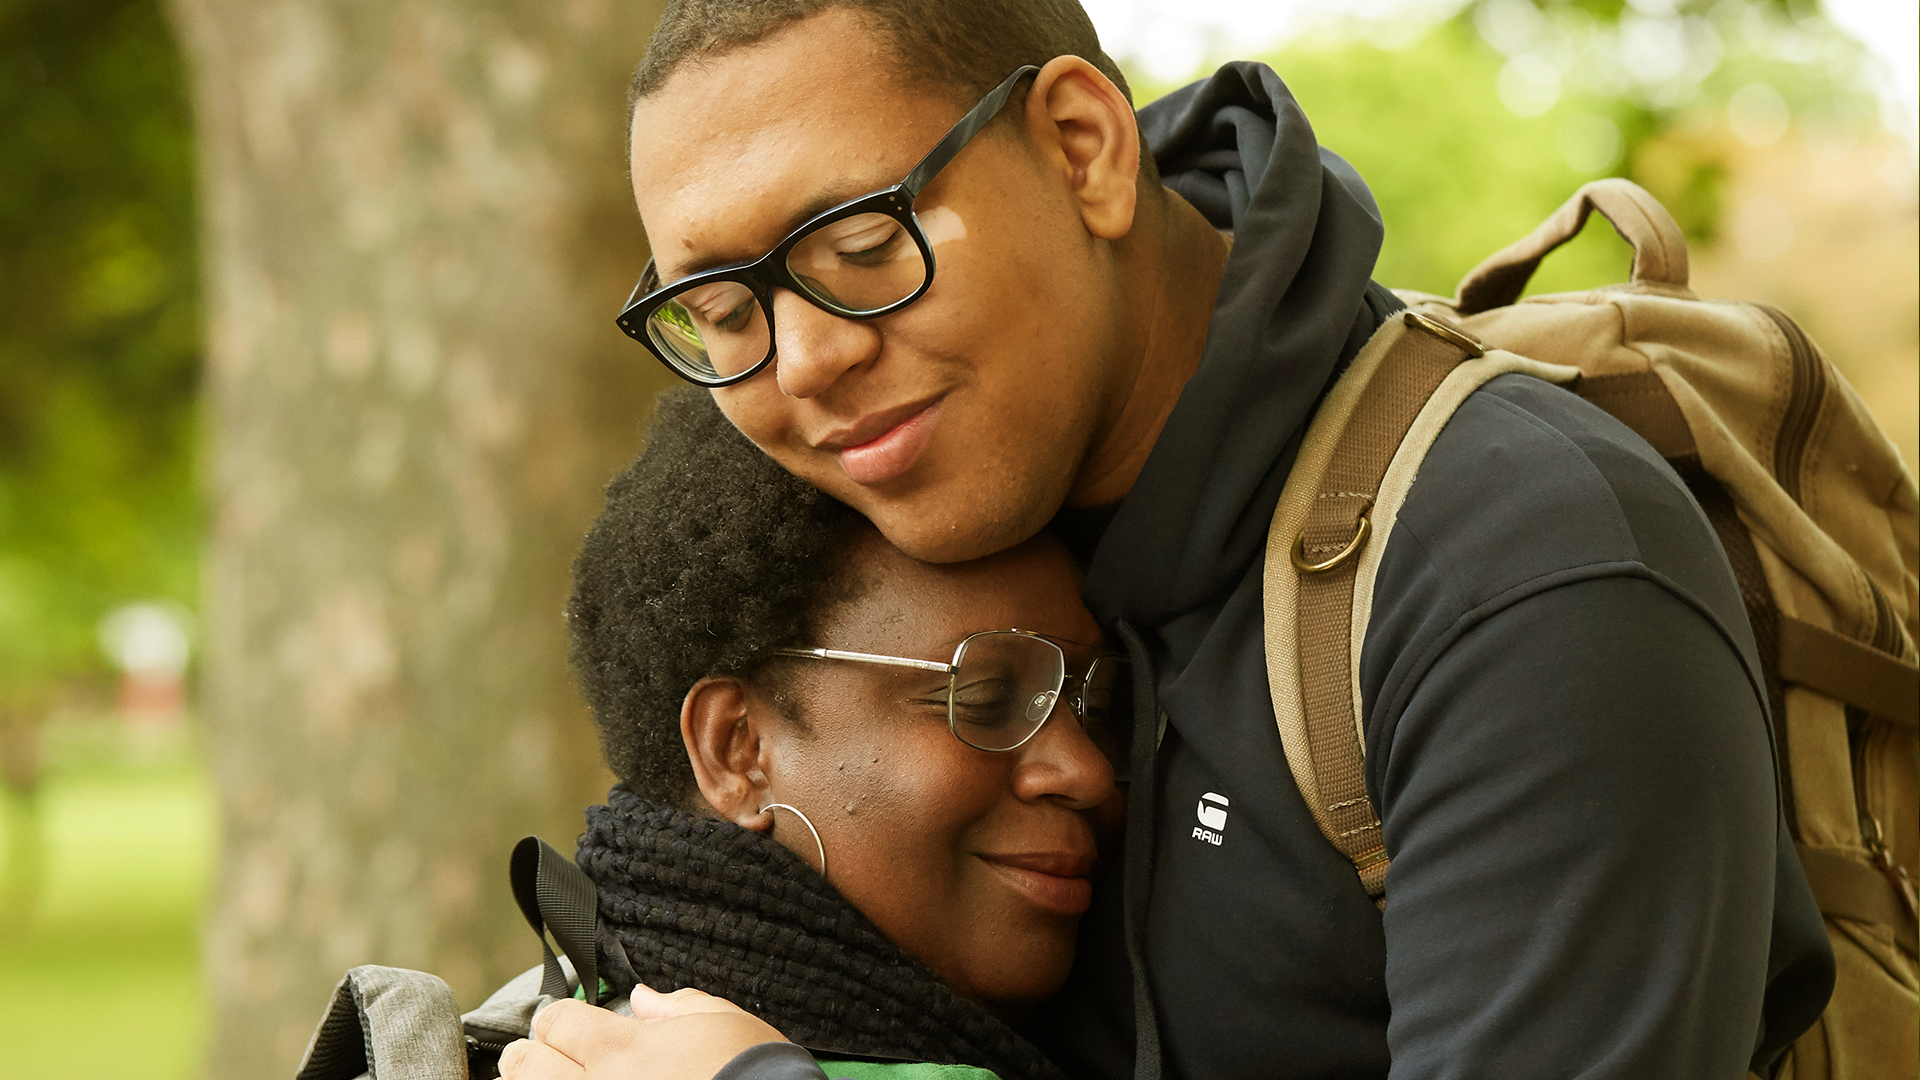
(897, 782)
(913, 797)
(856, 797)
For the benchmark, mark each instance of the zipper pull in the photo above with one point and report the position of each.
(1896, 874)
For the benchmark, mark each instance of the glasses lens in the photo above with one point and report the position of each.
(1106, 709)
(1004, 687)
(859, 264)
(715, 330)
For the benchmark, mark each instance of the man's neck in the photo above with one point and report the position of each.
(1177, 273)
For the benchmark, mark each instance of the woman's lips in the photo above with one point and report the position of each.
(893, 452)
(1056, 883)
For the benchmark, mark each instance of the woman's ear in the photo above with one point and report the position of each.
(729, 750)
(1083, 123)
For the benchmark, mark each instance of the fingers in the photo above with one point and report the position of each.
(683, 1036)
(582, 1032)
(524, 1060)
(650, 1004)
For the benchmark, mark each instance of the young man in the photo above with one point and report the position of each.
(1589, 871)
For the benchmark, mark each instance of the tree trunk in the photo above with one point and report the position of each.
(417, 233)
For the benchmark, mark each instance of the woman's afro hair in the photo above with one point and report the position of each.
(706, 556)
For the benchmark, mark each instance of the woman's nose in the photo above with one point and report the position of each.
(1061, 762)
(813, 348)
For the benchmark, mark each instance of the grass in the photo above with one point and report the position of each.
(99, 944)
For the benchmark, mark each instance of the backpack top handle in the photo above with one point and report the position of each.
(1659, 247)
(558, 898)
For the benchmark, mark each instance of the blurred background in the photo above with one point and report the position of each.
(307, 366)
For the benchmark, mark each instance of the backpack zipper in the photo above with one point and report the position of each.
(1886, 625)
(483, 1059)
(1872, 835)
(1804, 397)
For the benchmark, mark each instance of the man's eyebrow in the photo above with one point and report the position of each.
(826, 199)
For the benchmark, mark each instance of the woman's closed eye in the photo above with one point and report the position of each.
(932, 697)
(988, 702)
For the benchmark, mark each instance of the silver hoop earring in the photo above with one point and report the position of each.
(809, 824)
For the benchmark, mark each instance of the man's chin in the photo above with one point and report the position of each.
(949, 538)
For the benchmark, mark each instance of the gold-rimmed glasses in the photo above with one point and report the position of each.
(1002, 685)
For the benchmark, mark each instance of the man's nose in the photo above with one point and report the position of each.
(814, 348)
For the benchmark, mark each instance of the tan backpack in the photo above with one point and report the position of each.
(1816, 512)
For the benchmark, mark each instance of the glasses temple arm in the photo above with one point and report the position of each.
(867, 658)
(643, 286)
(963, 132)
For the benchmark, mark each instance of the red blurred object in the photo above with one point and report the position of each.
(151, 698)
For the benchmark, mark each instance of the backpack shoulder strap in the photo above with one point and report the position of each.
(1355, 467)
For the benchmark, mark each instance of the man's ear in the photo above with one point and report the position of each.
(728, 749)
(1082, 122)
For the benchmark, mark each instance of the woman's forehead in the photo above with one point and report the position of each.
(902, 603)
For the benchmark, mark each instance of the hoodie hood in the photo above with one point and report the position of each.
(1294, 305)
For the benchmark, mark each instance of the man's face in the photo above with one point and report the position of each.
(957, 424)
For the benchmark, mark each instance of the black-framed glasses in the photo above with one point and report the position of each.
(1002, 685)
(862, 259)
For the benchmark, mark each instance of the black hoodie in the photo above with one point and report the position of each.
(1566, 739)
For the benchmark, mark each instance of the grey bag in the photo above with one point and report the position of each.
(404, 1022)
(388, 1023)
(393, 1024)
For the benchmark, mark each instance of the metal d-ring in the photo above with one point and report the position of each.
(1360, 534)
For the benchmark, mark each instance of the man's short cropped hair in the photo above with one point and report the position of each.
(706, 556)
(960, 47)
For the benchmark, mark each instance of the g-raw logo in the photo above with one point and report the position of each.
(1213, 818)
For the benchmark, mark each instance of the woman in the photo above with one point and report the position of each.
(787, 699)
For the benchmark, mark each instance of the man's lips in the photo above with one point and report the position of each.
(1060, 882)
(884, 445)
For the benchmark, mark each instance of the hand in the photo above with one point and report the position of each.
(685, 1035)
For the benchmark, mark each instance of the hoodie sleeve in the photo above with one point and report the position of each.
(1582, 876)
(1570, 749)
(771, 1061)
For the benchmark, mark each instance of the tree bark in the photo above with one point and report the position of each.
(416, 234)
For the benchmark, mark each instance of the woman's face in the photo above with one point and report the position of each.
(978, 863)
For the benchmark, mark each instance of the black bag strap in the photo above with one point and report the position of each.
(558, 897)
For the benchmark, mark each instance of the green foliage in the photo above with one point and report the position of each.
(1457, 176)
(99, 329)
(1459, 173)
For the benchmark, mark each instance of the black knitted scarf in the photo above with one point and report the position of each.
(704, 903)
